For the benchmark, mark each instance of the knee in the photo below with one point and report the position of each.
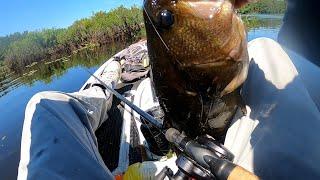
(39, 97)
(265, 50)
(263, 44)
(273, 61)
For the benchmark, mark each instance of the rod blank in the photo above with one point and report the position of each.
(145, 115)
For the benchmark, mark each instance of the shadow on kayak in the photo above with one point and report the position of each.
(286, 131)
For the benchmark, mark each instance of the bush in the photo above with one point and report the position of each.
(21, 49)
(265, 7)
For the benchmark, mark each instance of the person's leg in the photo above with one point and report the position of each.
(278, 138)
(58, 140)
(309, 74)
(300, 29)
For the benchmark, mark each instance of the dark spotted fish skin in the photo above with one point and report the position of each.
(199, 59)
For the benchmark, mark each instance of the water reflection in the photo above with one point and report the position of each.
(262, 21)
(48, 70)
(262, 26)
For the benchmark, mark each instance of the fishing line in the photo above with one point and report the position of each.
(154, 27)
(145, 115)
(157, 32)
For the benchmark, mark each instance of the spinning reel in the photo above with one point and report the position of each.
(196, 157)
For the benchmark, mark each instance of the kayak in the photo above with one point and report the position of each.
(125, 139)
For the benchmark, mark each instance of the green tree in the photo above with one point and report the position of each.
(265, 7)
(21, 49)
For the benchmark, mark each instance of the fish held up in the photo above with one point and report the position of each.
(199, 59)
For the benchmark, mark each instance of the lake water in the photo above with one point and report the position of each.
(68, 75)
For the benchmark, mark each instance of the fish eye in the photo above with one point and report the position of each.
(165, 19)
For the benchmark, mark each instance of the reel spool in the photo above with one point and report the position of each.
(190, 169)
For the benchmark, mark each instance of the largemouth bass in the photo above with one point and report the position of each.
(199, 59)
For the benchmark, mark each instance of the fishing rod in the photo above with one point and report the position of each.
(145, 115)
(200, 158)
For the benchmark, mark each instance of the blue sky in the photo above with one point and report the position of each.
(21, 15)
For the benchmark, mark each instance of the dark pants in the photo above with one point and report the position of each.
(300, 31)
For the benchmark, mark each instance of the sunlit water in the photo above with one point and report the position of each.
(68, 75)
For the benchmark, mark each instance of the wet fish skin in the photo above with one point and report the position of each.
(199, 62)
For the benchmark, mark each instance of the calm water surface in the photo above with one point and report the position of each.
(68, 75)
